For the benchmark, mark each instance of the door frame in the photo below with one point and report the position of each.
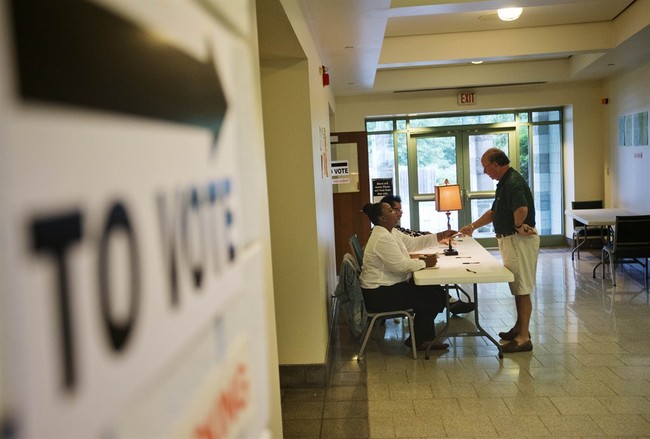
(348, 216)
(463, 170)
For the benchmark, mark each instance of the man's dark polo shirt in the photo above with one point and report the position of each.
(512, 192)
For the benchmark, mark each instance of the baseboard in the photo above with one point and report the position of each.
(310, 375)
(304, 375)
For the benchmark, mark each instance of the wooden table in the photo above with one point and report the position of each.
(473, 265)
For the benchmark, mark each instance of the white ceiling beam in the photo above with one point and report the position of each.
(531, 42)
(471, 76)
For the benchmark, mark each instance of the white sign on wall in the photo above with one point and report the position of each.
(340, 171)
(126, 258)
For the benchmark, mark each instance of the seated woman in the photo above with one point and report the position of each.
(386, 276)
(455, 306)
(395, 202)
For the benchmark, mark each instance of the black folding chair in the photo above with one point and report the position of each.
(583, 233)
(631, 245)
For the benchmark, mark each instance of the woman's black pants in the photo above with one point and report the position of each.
(426, 300)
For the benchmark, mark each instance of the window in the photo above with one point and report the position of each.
(401, 148)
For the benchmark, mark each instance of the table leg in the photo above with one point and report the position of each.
(444, 330)
(577, 247)
(602, 255)
(593, 272)
(480, 331)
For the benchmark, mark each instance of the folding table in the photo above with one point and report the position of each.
(597, 217)
(473, 265)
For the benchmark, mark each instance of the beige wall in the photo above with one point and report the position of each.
(627, 168)
(584, 142)
(295, 110)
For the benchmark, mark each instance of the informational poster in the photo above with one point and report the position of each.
(633, 129)
(344, 168)
(324, 151)
(641, 128)
(380, 188)
(130, 137)
(340, 172)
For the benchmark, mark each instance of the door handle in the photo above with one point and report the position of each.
(424, 197)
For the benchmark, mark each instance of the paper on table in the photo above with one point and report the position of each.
(428, 251)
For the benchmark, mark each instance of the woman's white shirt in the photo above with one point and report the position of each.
(386, 259)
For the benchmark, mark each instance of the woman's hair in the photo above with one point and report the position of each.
(391, 199)
(495, 155)
(373, 211)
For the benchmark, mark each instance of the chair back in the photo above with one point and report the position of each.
(357, 250)
(350, 297)
(593, 204)
(632, 236)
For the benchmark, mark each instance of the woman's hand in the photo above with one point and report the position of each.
(430, 260)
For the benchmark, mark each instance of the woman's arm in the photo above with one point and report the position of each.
(390, 253)
(415, 243)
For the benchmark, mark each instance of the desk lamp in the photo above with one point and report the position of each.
(447, 199)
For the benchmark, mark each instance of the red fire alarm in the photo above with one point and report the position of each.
(325, 75)
(604, 101)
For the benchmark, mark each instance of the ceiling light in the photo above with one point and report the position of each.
(509, 14)
(476, 62)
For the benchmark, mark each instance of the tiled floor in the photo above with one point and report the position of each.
(588, 375)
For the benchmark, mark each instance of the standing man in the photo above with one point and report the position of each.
(513, 215)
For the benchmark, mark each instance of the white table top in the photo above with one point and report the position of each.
(484, 267)
(597, 217)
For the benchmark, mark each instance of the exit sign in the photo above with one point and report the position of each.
(466, 98)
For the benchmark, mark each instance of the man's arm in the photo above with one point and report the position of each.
(522, 228)
(485, 219)
(520, 215)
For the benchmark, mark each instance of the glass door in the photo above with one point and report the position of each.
(479, 190)
(455, 156)
(435, 158)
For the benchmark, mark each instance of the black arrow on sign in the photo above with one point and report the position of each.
(74, 52)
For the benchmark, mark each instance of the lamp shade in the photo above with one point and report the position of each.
(448, 198)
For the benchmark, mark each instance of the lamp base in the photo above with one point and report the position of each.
(450, 252)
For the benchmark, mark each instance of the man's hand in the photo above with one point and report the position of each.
(445, 235)
(526, 230)
(467, 230)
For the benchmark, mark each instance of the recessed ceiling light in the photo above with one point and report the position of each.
(509, 14)
(476, 62)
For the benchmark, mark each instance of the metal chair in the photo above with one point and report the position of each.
(373, 317)
(581, 232)
(631, 245)
(357, 250)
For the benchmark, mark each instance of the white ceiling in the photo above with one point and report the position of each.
(373, 46)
